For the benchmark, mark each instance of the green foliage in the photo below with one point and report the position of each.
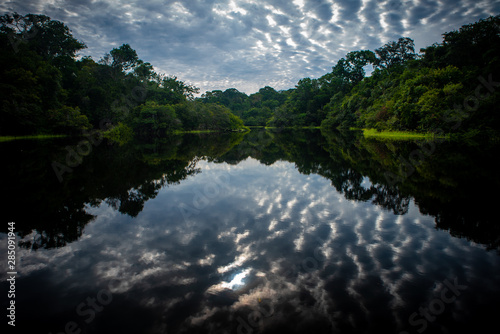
(124, 57)
(38, 33)
(312, 99)
(155, 120)
(351, 68)
(398, 135)
(167, 89)
(254, 110)
(440, 91)
(10, 138)
(68, 120)
(202, 116)
(152, 119)
(119, 134)
(45, 89)
(414, 99)
(395, 53)
(473, 45)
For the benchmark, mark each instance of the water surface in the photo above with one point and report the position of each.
(266, 232)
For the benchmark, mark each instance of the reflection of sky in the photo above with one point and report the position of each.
(257, 237)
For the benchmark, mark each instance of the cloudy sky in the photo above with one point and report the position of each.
(248, 44)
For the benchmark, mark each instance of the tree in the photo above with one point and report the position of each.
(48, 38)
(124, 57)
(68, 120)
(169, 90)
(152, 119)
(351, 68)
(232, 98)
(395, 53)
(145, 72)
(476, 44)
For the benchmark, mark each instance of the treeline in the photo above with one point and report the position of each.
(450, 86)
(255, 109)
(46, 88)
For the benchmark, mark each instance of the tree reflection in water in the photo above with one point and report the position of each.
(453, 184)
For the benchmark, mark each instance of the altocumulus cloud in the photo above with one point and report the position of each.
(249, 44)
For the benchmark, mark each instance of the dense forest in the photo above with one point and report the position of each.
(448, 87)
(46, 89)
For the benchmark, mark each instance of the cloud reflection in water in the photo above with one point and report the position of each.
(273, 237)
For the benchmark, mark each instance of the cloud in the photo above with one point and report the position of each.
(248, 44)
(349, 9)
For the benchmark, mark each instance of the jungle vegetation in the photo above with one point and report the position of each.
(48, 88)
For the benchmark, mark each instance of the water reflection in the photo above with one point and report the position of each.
(123, 177)
(271, 232)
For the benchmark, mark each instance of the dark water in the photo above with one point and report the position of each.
(268, 232)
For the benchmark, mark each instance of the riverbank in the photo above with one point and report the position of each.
(10, 138)
(401, 135)
(177, 132)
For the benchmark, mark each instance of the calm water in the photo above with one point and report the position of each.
(268, 232)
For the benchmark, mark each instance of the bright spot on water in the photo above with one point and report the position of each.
(237, 280)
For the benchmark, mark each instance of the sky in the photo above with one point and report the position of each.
(249, 44)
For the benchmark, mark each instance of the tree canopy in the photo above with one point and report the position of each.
(47, 87)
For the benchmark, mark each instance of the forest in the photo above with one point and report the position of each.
(46, 88)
